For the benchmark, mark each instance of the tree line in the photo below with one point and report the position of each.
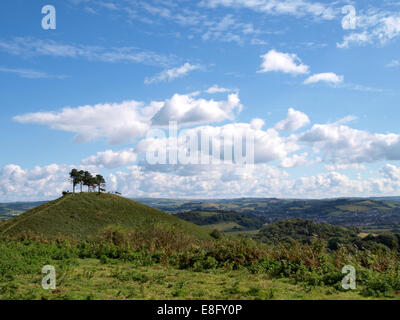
(85, 178)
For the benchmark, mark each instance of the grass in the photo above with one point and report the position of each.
(226, 269)
(84, 215)
(91, 279)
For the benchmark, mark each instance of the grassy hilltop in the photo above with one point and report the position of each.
(83, 215)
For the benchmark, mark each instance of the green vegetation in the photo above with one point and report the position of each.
(85, 178)
(304, 231)
(83, 215)
(228, 220)
(107, 247)
(337, 237)
(164, 263)
(381, 214)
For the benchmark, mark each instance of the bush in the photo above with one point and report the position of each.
(216, 234)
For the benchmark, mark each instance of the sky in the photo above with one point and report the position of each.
(86, 84)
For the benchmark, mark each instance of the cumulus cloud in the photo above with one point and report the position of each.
(257, 123)
(293, 122)
(129, 120)
(282, 62)
(329, 77)
(186, 110)
(297, 160)
(118, 122)
(391, 172)
(111, 159)
(341, 144)
(171, 74)
(268, 145)
(39, 183)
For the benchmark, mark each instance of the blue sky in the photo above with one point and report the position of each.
(316, 82)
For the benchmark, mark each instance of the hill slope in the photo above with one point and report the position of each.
(304, 231)
(83, 215)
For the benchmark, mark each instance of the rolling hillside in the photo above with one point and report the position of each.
(361, 212)
(84, 215)
(12, 209)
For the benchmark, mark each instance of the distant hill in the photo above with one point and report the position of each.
(303, 231)
(85, 214)
(335, 236)
(12, 209)
(362, 212)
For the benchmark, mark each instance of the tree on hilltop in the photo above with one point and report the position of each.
(74, 177)
(85, 178)
(100, 183)
(81, 178)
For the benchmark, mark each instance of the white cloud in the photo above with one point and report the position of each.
(171, 74)
(268, 144)
(216, 89)
(228, 29)
(373, 26)
(293, 122)
(186, 110)
(129, 120)
(341, 167)
(283, 62)
(357, 38)
(341, 144)
(39, 183)
(31, 74)
(118, 122)
(329, 77)
(257, 124)
(111, 159)
(297, 160)
(393, 64)
(391, 172)
(297, 8)
(27, 47)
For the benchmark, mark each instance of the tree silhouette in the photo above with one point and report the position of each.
(81, 178)
(87, 179)
(100, 183)
(74, 177)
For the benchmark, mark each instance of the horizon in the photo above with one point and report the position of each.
(101, 85)
(211, 199)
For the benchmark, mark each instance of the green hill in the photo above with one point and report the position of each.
(303, 231)
(85, 214)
